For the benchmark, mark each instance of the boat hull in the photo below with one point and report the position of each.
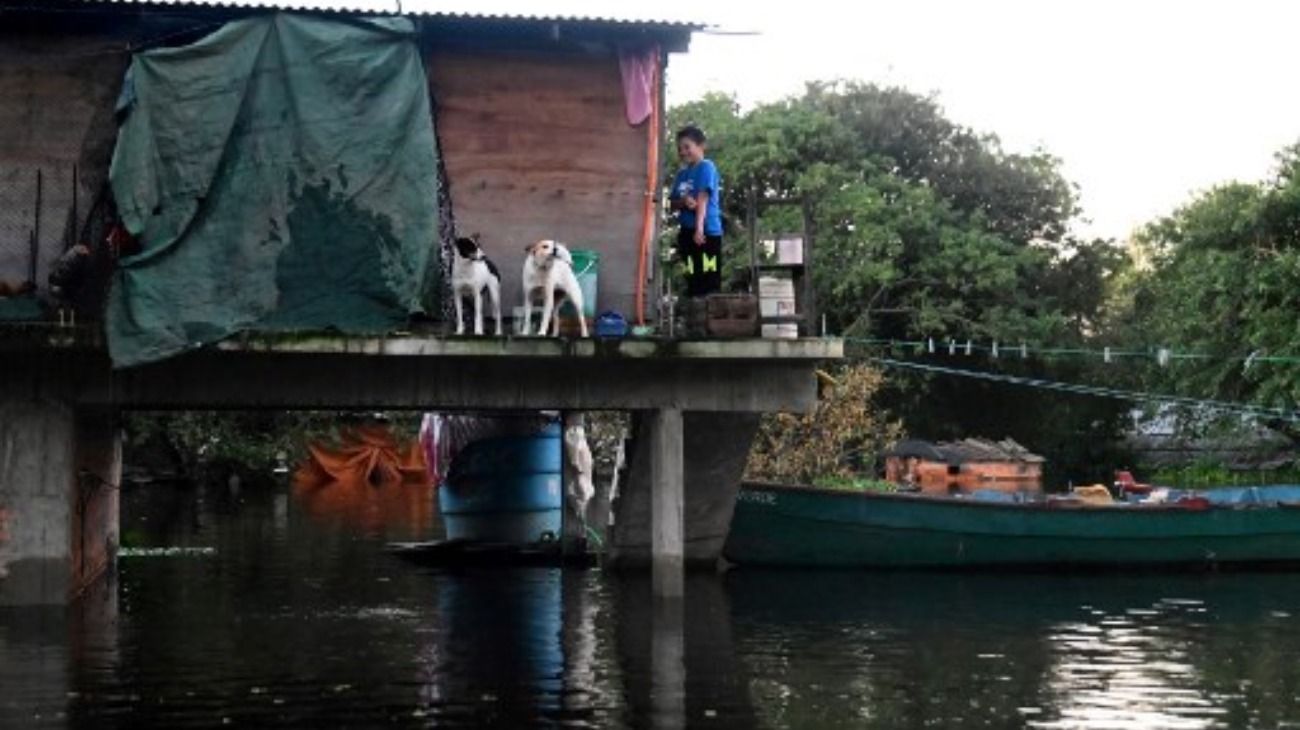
(806, 527)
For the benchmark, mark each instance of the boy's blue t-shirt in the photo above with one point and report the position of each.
(703, 175)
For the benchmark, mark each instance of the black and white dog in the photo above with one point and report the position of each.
(471, 273)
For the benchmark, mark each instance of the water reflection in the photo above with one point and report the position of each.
(400, 509)
(288, 621)
(1039, 651)
(40, 644)
(499, 655)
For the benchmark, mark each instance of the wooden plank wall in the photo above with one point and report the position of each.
(537, 146)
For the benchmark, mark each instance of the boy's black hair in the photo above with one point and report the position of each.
(693, 133)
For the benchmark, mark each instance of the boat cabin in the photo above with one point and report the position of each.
(965, 466)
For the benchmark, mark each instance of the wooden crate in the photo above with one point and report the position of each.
(723, 316)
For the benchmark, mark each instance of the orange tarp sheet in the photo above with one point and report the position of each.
(366, 454)
(369, 479)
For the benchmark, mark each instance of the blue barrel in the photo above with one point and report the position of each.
(506, 489)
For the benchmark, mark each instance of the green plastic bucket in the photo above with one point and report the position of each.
(586, 266)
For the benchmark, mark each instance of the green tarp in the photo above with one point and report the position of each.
(281, 174)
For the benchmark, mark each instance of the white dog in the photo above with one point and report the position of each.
(548, 269)
(472, 272)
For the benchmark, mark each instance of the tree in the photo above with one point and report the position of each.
(1224, 281)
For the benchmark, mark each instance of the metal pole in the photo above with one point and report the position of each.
(36, 230)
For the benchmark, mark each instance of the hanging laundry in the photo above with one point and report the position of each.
(639, 69)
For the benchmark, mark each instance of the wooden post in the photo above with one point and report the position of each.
(808, 307)
(667, 521)
(35, 253)
(751, 222)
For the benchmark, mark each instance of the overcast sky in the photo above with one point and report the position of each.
(1144, 100)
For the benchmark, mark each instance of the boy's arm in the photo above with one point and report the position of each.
(701, 204)
(677, 202)
(707, 186)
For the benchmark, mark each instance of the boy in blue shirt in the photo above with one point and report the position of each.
(698, 202)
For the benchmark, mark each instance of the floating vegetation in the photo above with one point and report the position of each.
(165, 552)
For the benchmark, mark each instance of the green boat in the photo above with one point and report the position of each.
(808, 527)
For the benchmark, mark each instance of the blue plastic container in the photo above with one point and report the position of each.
(506, 490)
(611, 325)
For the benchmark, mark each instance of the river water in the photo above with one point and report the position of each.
(274, 614)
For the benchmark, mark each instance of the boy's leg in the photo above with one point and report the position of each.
(689, 254)
(711, 265)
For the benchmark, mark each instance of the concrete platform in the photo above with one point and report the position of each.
(295, 371)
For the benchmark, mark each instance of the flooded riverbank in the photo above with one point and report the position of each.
(274, 616)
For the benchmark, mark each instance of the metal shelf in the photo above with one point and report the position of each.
(783, 319)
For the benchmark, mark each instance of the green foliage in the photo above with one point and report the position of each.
(838, 443)
(1224, 279)
(1209, 474)
(855, 484)
(195, 444)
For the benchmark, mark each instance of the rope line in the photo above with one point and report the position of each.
(1092, 390)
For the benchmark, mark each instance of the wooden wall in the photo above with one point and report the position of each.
(57, 93)
(537, 146)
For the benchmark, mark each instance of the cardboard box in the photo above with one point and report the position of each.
(776, 286)
(789, 250)
(777, 306)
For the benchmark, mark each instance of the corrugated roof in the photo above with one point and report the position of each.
(556, 11)
(915, 448)
(966, 450)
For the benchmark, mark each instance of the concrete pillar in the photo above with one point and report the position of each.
(715, 450)
(59, 472)
(667, 504)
